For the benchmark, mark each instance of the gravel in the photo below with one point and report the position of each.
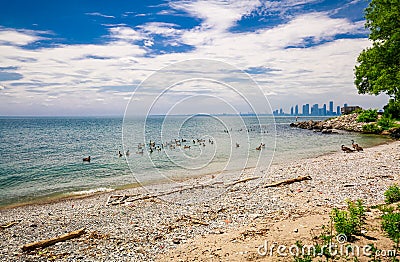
(140, 230)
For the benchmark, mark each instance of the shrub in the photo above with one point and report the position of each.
(392, 109)
(369, 115)
(371, 128)
(390, 223)
(349, 222)
(392, 195)
(386, 123)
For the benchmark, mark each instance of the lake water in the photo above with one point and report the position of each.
(41, 157)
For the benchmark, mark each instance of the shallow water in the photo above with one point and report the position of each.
(42, 157)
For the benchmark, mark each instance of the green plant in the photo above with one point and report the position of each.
(386, 123)
(371, 128)
(369, 115)
(392, 109)
(391, 225)
(349, 222)
(392, 195)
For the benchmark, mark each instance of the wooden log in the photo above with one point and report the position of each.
(52, 241)
(242, 180)
(288, 181)
(194, 220)
(8, 225)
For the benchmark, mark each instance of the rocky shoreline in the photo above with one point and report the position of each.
(342, 123)
(149, 228)
(332, 125)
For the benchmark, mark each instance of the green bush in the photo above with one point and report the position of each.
(390, 223)
(387, 123)
(349, 222)
(392, 195)
(371, 128)
(369, 115)
(392, 109)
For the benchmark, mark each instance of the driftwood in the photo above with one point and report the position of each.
(194, 220)
(242, 180)
(52, 241)
(289, 181)
(121, 199)
(8, 225)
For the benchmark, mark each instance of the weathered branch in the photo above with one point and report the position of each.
(288, 181)
(52, 241)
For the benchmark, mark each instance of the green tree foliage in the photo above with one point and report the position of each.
(378, 69)
(369, 115)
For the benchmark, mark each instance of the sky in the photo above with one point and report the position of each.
(96, 57)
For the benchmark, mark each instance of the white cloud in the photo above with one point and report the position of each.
(100, 14)
(14, 37)
(76, 72)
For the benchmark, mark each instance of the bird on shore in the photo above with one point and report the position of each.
(347, 149)
(86, 159)
(119, 154)
(356, 146)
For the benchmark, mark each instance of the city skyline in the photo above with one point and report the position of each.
(314, 110)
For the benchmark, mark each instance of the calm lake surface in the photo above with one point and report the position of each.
(41, 157)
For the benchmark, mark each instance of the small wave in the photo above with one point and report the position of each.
(92, 191)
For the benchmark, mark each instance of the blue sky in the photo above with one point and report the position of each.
(86, 57)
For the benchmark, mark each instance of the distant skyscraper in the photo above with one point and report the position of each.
(338, 110)
(291, 111)
(307, 109)
(281, 111)
(331, 108)
(296, 110)
(324, 110)
(314, 110)
(345, 105)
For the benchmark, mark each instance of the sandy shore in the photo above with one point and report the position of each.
(214, 220)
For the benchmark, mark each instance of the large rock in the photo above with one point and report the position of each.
(344, 122)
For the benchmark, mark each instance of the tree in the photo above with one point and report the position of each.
(378, 69)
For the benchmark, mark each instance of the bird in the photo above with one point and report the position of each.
(127, 153)
(346, 149)
(258, 148)
(119, 154)
(356, 146)
(86, 159)
(237, 145)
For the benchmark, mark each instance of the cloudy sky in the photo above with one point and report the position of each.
(84, 57)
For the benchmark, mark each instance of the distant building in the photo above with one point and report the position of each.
(314, 110)
(291, 111)
(349, 109)
(323, 110)
(338, 110)
(296, 110)
(331, 108)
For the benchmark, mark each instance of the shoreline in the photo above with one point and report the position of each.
(65, 196)
(147, 229)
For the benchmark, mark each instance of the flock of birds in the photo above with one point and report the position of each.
(356, 147)
(173, 144)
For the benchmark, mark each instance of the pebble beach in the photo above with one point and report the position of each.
(135, 225)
